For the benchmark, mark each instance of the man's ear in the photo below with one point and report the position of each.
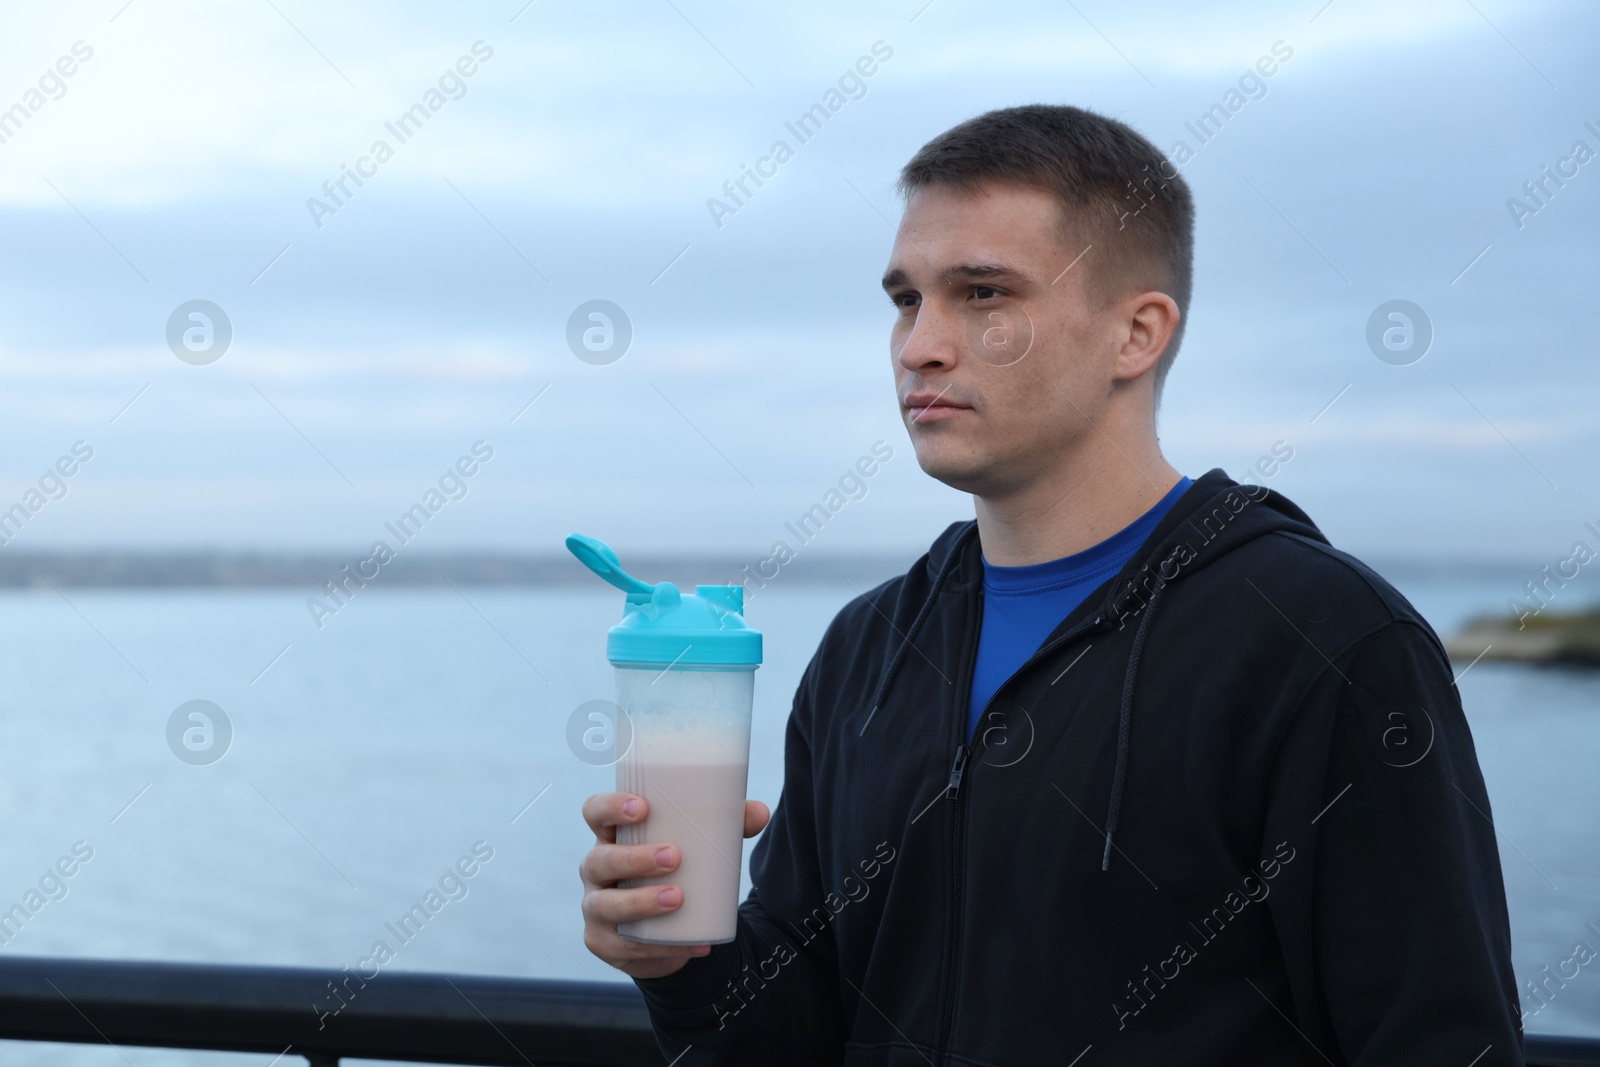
(1151, 319)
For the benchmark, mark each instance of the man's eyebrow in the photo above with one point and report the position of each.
(983, 270)
(969, 271)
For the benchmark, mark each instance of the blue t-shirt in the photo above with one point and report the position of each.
(1022, 605)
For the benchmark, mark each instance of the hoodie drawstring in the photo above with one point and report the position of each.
(916, 624)
(1124, 718)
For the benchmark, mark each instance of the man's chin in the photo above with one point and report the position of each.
(963, 473)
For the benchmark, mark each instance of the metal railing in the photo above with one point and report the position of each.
(432, 1018)
(324, 1015)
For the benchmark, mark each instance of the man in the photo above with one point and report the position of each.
(1131, 769)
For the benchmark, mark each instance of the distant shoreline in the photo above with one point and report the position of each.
(1569, 639)
(244, 568)
(1483, 637)
(173, 569)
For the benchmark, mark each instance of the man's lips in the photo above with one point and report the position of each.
(932, 407)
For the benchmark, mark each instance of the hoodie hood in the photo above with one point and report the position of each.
(1213, 517)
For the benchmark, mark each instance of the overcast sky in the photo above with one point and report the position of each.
(373, 344)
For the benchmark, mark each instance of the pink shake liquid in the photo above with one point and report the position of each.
(689, 759)
(698, 807)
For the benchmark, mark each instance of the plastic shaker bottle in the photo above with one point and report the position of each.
(685, 667)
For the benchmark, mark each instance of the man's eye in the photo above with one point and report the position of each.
(904, 300)
(985, 292)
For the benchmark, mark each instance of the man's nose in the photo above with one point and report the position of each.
(935, 340)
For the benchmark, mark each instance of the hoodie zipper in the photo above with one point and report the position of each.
(953, 792)
(958, 837)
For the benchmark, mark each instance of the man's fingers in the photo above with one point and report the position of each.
(604, 812)
(609, 907)
(604, 909)
(756, 817)
(618, 951)
(605, 865)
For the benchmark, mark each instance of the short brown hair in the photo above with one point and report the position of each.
(1117, 192)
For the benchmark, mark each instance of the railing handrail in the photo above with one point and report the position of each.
(395, 1015)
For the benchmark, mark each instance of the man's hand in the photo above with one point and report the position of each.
(604, 905)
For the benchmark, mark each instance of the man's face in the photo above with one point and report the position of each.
(1001, 362)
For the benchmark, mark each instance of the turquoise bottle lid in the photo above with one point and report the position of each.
(664, 628)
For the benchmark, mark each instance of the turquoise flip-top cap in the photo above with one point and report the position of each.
(664, 628)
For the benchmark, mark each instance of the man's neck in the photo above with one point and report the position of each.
(1075, 508)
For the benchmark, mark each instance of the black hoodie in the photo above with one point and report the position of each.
(1228, 813)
